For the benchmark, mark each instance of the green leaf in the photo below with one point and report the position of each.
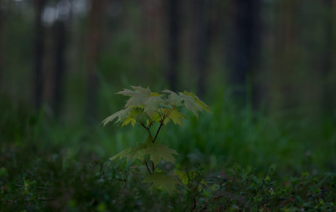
(160, 180)
(151, 105)
(156, 117)
(146, 91)
(173, 98)
(121, 154)
(122, 115)
(190, 103)
(137, 152)
(183, 177)
(176, 117)
(154, 150)
(143, 97)
(199, 102)
(159, 151)
(129, 120)
(127, 92)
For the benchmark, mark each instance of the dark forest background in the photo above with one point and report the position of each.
(68, 58)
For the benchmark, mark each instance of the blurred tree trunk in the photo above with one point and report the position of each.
(285, 52)
(327, 63)
(201, 42)
(60, 42)
(94, 37)
(245, 46)
(2, 23)
(38, 53)
(174, 31)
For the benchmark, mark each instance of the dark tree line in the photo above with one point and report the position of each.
(260, 47)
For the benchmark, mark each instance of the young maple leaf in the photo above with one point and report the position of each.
(176, 117)
(173, 98)
(122, 115)
(142, 97)
(199, 102)
(190, 103)
(158, 152)
(159, 179)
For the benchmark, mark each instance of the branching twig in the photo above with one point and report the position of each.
(147, 128)
(194, 205)
(157, 132)
(161, 123)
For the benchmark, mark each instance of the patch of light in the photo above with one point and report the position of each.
(80, 6)
(63, 9)
(49, 15)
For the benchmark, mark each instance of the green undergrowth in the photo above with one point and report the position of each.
(52, 182)
(47, 166)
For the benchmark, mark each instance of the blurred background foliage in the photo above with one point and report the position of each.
(265, 67)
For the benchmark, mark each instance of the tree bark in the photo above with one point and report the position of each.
(245, 45)
(202, 37)
(327, 62)
(2, 23)
(60, 65)
(38, 54)
(174, 31)
(94, 36)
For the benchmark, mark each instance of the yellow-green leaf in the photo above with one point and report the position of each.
(183, 177)
(122, 115)
(190, 103)
(129, 120)
(199, 102)
(176, 117)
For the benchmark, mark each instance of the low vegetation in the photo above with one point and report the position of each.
(40, 170)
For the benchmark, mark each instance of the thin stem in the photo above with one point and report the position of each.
(194, 200)
(157, 132)
(148, 168)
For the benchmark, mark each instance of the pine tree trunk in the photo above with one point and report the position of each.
(39, 53)
(174, 30)
(201, 43)
(60, 65)
(94, 36)
(327, 63)
(245, 44)
(2, 23)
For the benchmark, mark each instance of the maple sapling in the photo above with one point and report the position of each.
(148, 109)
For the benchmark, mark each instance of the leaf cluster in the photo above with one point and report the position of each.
(146, 107)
